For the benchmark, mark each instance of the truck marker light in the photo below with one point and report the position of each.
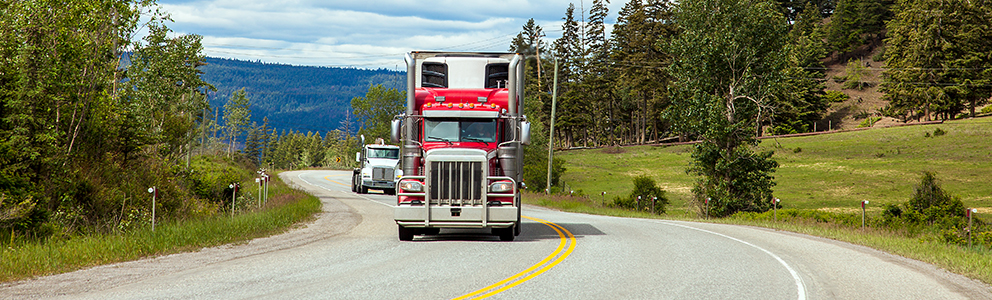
(450, 105)
(461, 105)
(492, 105)
(428, 105)
(471, 105)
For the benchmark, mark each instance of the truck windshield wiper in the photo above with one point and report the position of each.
(475, 139)
(438, 139)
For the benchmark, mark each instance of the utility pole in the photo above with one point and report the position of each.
(551, 133)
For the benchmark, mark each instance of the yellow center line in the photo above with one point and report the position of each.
(335, 181)
(530, 272)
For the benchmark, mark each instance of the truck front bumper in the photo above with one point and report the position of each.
(445, 216)
(377, 184)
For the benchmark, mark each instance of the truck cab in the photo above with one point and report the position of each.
(378, 168)
(462, 136)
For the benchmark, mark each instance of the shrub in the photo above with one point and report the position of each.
(869, 122)
(862, 114)
(856, 77)
(938, 132)
(880, 56)
(987, 109)
(932, 205)
(647, 189)
(210, 176)
(737, 181)
(835, 96)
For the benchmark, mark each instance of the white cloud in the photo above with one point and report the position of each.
(368, 34)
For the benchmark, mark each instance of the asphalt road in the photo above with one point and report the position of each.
(352, 252)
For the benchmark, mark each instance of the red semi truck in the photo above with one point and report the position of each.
(462, 141)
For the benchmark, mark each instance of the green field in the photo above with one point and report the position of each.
(821, 180)
(829, 172)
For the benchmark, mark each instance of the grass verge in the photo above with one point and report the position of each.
(286, 208)
(974, 262)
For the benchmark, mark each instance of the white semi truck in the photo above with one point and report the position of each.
(378, 168)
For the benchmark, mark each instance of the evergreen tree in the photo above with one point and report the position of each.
(804, 103)
(254, 143)
(237, 112)
(938, 58)
(640, 79)
(857, 22)
(572, 115)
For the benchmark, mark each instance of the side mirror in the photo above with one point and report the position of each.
(358, 156)
(394, 131)
(525, 133)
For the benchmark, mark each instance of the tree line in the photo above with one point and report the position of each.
(726, 71)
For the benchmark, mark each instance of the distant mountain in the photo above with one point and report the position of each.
(300, 98)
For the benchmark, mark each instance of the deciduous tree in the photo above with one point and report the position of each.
(728, 63)
(376, 110)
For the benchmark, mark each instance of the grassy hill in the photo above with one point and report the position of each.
(827, 172)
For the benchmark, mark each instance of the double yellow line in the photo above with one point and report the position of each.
(567, 240)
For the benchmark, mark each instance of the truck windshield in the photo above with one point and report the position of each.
(384, 153)
(453, 130)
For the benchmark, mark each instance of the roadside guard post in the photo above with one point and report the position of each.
(258, 200)
(775, 208)
(970, 212)
(863, 203)
(154, 192)
(234, 193)
(707, 208)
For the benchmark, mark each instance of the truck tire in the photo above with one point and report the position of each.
(389, 191)
(354, 187)
(406, 234)
(362, 189)
(505, 234)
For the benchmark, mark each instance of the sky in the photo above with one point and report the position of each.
(369, 34)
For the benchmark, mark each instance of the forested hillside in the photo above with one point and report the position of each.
(300, 98)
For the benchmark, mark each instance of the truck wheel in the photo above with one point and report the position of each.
(505, 234)
(389, 191)
(406, 234)
(362, 189)
(353, 187)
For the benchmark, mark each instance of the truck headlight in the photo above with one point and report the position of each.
(501, 187)
(411, 186)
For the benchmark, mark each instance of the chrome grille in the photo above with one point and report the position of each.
(380, 173)
(455, 182)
